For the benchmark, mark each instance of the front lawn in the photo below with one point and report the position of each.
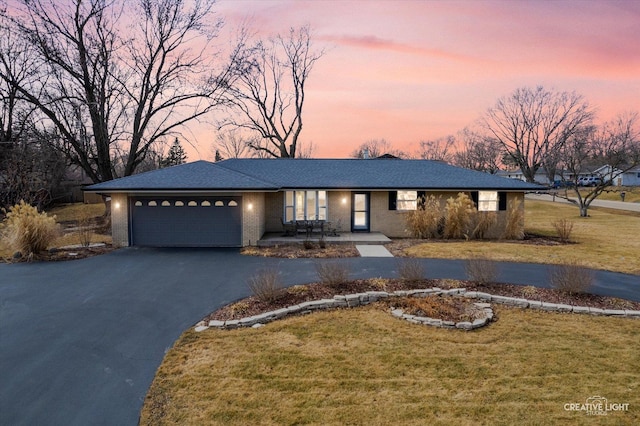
(362, 366)
(606, 240)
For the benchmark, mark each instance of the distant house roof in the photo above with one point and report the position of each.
(283, 174)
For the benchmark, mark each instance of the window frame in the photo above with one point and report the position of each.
(404, 200)
(298, 203)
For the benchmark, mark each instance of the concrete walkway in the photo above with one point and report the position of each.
(80, 341)
(373, 251)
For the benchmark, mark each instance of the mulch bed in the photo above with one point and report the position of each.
(397, 247)
(305, 293)
(298, 251)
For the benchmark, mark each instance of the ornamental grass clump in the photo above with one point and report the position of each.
(513, 229)
(459, 214)
(427, 220)
(28, 231)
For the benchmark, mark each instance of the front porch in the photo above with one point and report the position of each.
(277, 238)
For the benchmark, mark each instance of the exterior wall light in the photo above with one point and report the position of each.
(117, 205)
(250, 206)
(344, 200)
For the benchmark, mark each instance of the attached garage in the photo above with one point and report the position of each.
(186, 221)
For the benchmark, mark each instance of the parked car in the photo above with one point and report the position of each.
(562, 184)
(590, 181)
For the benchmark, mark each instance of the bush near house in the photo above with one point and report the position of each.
(28, 231)
(459, 219)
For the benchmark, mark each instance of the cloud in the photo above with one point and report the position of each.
(377, 43)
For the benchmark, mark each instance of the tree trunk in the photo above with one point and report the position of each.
(583, 211)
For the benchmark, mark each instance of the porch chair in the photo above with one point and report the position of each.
(334, 230)
(289, 228)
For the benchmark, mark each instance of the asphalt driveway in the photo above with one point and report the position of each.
(80, 341)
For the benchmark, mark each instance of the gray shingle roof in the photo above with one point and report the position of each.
(370, 174)
(199, 175)
(276, 174)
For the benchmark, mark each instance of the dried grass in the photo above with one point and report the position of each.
(513, 229)
(27, 231)
(458, 216)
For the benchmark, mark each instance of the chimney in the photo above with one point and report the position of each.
(365, 153)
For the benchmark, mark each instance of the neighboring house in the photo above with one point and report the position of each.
(629, 178)
(235, 202)
(540, 177)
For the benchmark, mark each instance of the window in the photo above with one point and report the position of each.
(487, 201)
(179, 203)
(232, 204)
(305, 205)
(205, 203)
(165, 203)
(192, 203)
(407, 200)
(138, 203)
(219, 203)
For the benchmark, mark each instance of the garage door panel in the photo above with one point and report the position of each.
(193, 222)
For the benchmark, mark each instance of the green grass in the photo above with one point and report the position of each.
(362, 366)
(605, 240)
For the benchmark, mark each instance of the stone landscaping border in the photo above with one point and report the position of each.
(361, 299)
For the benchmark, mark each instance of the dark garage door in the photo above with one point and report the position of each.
(186, 221)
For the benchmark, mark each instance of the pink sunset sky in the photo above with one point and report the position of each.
(408, 71)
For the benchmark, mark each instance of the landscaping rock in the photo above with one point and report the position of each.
(465, 325)
(217, 324)
(200, 328)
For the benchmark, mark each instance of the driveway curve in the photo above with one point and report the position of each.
(80, 341)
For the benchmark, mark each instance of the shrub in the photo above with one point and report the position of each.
(513, 229)
(426, 221)
(411, 269)
(322, 243)
(563, 228)
(481, 270)
(458, 216)
(483, 222)
(571, 278)
(28, 231)
(332, 273)
(85, 228)
(265, 285)
(308, 244)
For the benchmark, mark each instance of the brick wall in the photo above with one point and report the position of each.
(253, 217)
(120, 220)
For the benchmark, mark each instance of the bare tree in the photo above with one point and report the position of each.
(534, 124)
(107, 86)
(478, 152)
(270, 95)
(232, 144)
(607, 152)
(375, 148)
(441, 149)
